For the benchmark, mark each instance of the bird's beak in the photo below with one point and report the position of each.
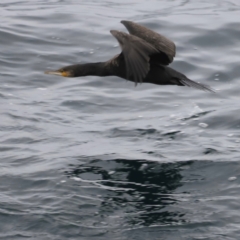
(58, 73)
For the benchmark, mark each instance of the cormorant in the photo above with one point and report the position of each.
(144, 58)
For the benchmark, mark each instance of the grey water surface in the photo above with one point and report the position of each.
(98, 158)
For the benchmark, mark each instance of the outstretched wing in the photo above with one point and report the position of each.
(136, 54)
(166, 48)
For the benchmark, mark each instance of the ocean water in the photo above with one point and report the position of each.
(98, 158)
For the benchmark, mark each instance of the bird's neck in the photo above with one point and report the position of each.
(92, 69)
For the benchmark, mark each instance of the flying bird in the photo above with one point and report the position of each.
(144, 58)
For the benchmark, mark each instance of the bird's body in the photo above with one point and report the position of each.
(144, 58)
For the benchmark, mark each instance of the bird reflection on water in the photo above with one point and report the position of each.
(147, 195)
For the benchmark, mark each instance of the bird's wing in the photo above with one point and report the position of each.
(166, 48)
(136, 54)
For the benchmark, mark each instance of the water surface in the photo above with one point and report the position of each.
(97, 158)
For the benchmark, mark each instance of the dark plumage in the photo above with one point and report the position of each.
(144, 58)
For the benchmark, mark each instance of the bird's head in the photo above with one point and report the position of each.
(81, 70)
(67, 71)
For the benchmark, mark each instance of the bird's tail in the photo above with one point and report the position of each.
(190, 83)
